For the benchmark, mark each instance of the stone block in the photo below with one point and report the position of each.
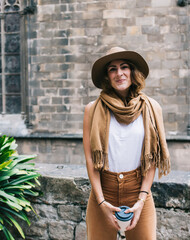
(161, 3)
(37, 229)
(33, 100)
(160, 73)
(171, 117)
(133, 30)
(92, 15)
(173, 55)
(52, 84)
(184, 73)
(171, 195)
(64, 190)
(55, 126)
(172, 224)
(113, 30)
(158, 39)
(44, 100)
(59, 117)
(74, 213)
(61, 230)
(47, 109)
(119, 22)
(68, 1)
(180, 100)
(72, 100)
(46, 211)
(165, 91)
(151, 30)
(80, 232)
(149, 20)
(76, 32)
(59, 42)
(51, 92)
(75, 117)
(50, 67)
(61, 33)
(46, 2)
(143, 3)
(38, 92)
(94, 6)
(183, 20)
(65, 66)
(93, 31)
(66, 92)
(63, 108)
(182, 91)
(45, 117)
(120, 4)
(164, 21)
(57, 100)
(116, 13)
(164, 29)
(169, 81)
(173, 63)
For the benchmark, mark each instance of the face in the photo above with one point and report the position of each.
(119, 75)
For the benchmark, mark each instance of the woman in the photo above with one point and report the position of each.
(124, 142)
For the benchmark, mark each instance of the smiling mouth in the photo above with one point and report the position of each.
(120, 80)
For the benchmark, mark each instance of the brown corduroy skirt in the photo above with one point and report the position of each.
(121, 189)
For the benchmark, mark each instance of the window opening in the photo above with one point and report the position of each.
(10, 63)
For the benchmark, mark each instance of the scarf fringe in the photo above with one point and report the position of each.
(100, 160)
(154, 159)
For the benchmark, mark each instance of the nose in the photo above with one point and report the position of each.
(119, 72)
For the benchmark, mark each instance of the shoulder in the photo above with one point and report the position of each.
(155, 105)
(88, 106)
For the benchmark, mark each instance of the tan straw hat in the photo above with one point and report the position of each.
(98, 68)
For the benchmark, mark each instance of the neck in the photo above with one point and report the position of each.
(123, 94)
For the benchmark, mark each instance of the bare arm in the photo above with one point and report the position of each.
(94, 175)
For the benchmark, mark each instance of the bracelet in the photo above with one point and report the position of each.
(141, 199)
(101, 202)
(144, 192)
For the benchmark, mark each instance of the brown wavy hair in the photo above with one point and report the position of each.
(137, 79)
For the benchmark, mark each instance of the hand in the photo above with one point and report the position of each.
(109, 212)
(136, 209)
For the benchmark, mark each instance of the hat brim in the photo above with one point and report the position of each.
(98, 68)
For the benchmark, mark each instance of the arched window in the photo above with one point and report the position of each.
(11, 69)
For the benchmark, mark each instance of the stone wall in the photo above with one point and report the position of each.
(61, 210)
(70, 151)
(66, 36)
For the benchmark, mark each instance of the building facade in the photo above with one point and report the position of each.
(47, 50)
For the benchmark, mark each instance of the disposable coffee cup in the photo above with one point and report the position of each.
(123, 219)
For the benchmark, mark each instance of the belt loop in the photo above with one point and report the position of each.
(137, 173)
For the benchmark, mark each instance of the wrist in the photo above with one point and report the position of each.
(100, 199)
(99, 204)
(143, 195)
(141, 200)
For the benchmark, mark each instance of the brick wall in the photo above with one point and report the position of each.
(67, 36)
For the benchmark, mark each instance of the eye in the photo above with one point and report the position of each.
(125, 67)
(112, 69)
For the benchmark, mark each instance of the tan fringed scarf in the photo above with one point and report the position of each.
(154, 149)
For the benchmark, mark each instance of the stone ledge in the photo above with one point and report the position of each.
(40, 135)
(172, 191)
(66, 189)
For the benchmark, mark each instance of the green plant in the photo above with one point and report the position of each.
(18, 179)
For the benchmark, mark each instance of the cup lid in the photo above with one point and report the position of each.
(124, 216)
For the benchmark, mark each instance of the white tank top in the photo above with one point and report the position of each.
(125, 145)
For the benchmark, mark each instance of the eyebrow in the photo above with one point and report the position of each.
(120, 65)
